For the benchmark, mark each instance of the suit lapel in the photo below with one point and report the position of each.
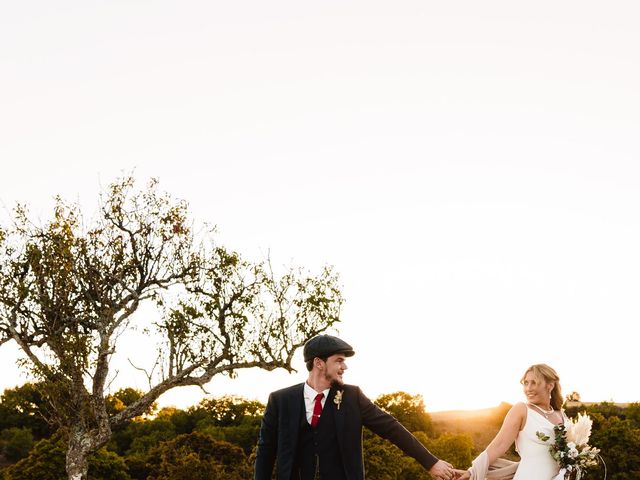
(296, 401)
(338, 415)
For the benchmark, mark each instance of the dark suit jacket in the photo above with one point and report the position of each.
(281, 423)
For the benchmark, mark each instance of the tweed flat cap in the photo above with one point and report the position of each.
(325, 346)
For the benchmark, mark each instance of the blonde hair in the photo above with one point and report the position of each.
(544, 372)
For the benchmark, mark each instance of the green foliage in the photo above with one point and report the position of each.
(231, 419)
(145, 435)
(408, 410)
(189, 466)
(24, 406)
(217, 438)
(457, 449)
(227, 418)
(616, 432)
(15, 443)
(382, 459)
(243, 436)
(228, 410)
(104, 465)
(632, 413)
(123, 398)
(606, 409)
(46, 461)
(619, 444)
(184, 421)
(194, 456)
(385, 461)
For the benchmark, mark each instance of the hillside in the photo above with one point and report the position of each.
(482, 424)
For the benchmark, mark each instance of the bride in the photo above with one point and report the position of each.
(541, 412)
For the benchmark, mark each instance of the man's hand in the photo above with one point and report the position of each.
(442, 471)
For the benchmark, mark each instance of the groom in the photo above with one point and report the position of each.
(313, 431)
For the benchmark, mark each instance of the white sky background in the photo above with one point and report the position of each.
(470, 168)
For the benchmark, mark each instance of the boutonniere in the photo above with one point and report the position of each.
(338, 398)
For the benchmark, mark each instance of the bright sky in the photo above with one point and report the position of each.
(470, 168)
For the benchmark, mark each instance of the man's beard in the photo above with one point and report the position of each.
(336, 383)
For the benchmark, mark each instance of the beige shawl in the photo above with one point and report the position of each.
(501, 469)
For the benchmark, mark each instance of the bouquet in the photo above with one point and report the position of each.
(571, 449)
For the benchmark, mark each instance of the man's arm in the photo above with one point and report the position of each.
(267, 442)
(386, 426)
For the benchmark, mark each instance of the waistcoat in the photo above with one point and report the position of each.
(318, 456)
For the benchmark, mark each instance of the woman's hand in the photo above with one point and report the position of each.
(462, 474)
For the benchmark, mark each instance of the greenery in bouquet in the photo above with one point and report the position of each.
(570, 448)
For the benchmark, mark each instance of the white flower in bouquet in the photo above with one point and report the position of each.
(579, 431)
(573, 451)
(570, 448)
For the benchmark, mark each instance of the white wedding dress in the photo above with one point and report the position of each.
(536, 462)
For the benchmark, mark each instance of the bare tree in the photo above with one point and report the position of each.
(68, 294)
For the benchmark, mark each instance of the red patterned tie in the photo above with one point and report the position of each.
(317, 409)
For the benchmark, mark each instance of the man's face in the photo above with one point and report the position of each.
(334, 368)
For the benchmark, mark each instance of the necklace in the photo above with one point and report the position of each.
(546, 413)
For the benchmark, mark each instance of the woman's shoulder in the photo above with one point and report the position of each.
(519, 409)
(517, 416)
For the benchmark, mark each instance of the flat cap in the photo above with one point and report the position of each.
(325, 346)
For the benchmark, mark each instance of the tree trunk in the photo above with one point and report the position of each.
(77, 464)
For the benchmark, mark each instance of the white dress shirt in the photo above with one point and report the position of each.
(310, 399)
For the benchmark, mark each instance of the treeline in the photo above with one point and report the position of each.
(217, 439)
(616, 432)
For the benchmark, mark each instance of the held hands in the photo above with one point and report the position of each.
(462, 474)
(444, 471)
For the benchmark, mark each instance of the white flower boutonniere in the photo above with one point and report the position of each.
(338, 398)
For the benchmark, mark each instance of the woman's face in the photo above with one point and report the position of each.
(537, 390)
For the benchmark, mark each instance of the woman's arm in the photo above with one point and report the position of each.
(512, 424)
